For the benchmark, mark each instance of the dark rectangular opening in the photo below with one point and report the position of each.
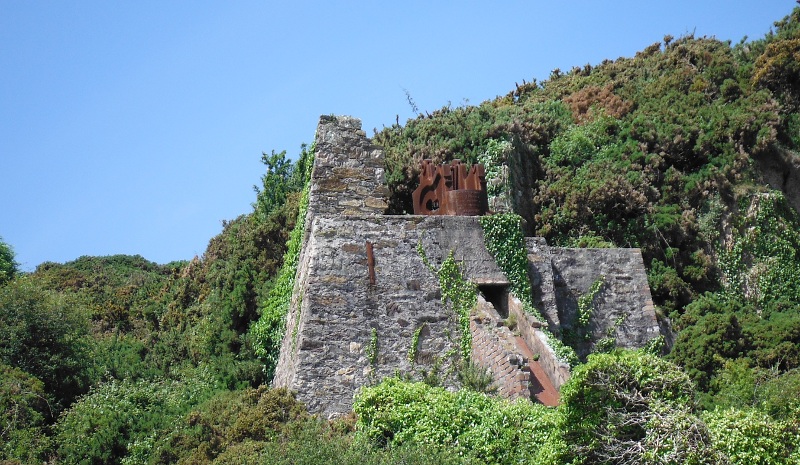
(497, 295)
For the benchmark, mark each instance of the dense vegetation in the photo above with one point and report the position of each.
(121, 360)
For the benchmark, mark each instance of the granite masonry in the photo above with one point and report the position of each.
(363, 296)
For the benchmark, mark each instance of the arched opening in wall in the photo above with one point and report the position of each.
(497, 295)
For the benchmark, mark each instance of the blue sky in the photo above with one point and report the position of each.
(137, 127)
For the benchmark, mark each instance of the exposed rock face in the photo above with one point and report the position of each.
(353, 320)
(782, 172)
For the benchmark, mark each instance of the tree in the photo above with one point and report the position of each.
(8, 267)
(46, 335)
(276, 183)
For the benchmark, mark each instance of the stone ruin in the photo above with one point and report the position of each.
(363, 295)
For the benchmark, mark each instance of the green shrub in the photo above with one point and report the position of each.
(23, 410)
(46, 335)
(751, 437)
(237, 423)
(476, 378)
(470, 424)
(8, 266)
(631, 407)
(267, 333)
(117, 415)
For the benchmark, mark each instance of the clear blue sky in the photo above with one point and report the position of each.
(136, 127)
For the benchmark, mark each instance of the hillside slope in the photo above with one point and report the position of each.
(689, 150)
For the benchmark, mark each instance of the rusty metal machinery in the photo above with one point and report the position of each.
(451, 189)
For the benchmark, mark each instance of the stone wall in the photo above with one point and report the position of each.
(494, 348)
(348, 170)
(623, 309)
(540, 270)
(523, 173)
(328, 356)
(538, 342)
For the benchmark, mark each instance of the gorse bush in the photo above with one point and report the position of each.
(118, 415)
(230, 424)
(46, 335)
(23, 411)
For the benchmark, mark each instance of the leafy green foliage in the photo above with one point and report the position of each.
(777, 67)
(23, 410)
(117, 415)
(412, 350)
(275, 183)
(462, 295)
(314, 443)
(47, 336)
(714, 334)
(267, 333)
(372, 348)
(8, 267)
(586, 302)
(141, 330)
(470, 424)
(118, 290)
(476, 378)
(505, 241)
(716, 329)
(494, 161)
(230, 420)
(741, 386)
(768, 241)
(631, 407)
(607, 165)
(752, 437)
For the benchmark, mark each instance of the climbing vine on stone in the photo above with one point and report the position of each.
(372, 348)
(268, 331)
(586, 302)
(762, 262)
(462, 294)
(412, 351)
(494, 160)
(506, 242)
